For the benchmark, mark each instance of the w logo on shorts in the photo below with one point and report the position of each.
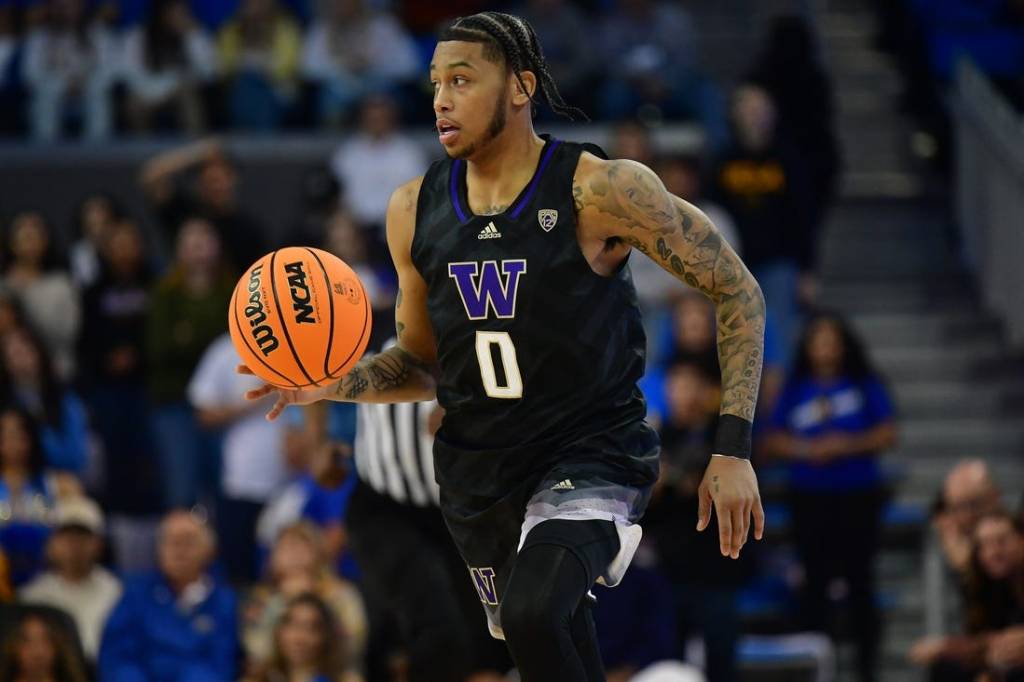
(483, 580)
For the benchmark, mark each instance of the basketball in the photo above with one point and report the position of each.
(299, 317)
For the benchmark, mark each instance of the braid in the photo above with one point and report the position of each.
(514, 39)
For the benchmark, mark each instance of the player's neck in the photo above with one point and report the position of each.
(498, 173)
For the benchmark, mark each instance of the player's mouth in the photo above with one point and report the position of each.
(447, 132)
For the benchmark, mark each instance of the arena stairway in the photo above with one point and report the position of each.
(888, 261)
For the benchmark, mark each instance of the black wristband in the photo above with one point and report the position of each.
(733, 437)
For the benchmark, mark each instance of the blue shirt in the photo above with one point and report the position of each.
(808, 409)
(150, 637)
(25, 527)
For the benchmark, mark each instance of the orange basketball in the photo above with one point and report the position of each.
(299, 317)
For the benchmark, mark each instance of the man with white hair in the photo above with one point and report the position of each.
(76, 583)
(179, 623)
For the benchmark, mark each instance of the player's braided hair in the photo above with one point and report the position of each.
(511, 37)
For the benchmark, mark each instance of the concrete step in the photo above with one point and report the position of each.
(926, 363)
(950, 400)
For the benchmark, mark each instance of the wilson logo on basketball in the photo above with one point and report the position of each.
(300, 293)
(256, 315)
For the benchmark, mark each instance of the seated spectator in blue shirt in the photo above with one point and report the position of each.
(27, 379)
(831, 422)
(28, 493)
(178, 624)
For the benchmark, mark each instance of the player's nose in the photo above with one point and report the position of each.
(442, 103)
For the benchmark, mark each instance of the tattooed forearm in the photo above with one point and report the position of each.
(391, 376)
(630, 199)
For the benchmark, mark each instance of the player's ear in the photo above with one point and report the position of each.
(521, 97)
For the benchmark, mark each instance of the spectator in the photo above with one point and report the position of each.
(993, 642)
(6, 591)
(69, 66)
(565, 32)
(28, 492)
(112, 355)
(259, 55)
(48, 298)
(345, 239)
(831, 422)
(353, 50)
(692, 334)
(27, 379)
(651, 47)
(177, 624)
(631, 139)
(11, 315)
(37, 650)
(93, 220)
(636, 625)
(213, 197)
(298, 566)
(76, 583)
(790, 68)
(252, 466)
(704, 583)
(968, 493)
(168, 60)
(374, 160)
(308, 645)
(186, 314)
(762, 183)
(11, 91)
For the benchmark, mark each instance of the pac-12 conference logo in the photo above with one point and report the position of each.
(484, 287)
(548, 218)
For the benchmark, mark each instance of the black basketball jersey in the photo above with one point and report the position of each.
(539, 355)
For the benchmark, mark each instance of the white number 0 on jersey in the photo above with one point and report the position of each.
(513, 387)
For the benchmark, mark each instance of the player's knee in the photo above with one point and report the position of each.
(527, 620)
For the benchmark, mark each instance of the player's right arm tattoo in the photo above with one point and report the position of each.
(628, 198)
(391, 376)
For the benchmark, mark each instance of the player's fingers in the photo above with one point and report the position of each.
(739, 529)
(758, 519)
(724, 528)
(703, 508)
(257, 393)
(243, 369)
(277, 409)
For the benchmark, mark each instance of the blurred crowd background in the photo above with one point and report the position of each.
(153, 526)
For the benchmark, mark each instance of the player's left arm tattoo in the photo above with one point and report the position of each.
(630, 202)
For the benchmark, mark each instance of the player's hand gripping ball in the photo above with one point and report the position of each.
(299, 317)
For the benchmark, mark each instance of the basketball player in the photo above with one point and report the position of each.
(517, 311)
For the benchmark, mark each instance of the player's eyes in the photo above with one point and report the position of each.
(459, 80)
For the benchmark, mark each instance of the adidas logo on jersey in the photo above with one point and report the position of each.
(564, 485)
(489, 232)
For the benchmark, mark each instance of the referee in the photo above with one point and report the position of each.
(414, 582)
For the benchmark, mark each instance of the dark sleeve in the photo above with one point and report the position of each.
(800, 231)
(122, 649)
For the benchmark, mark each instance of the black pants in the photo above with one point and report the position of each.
(837, 536)
(414, 579)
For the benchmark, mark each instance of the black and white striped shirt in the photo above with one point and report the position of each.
(394, 451)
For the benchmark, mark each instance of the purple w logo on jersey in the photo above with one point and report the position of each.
(483, 579)
(481, 287)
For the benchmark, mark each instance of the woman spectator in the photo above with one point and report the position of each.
(6, 591)
(34, 273)
(831, 422)
(309, 646)
(27, 379)
(93, 219)
(186, 314)
(296, 566)
(28, 492)
(112, 357)
(37, 650)
(352, 51)
(993, 639)
(69, 67)
(167, 62)
(259, 53)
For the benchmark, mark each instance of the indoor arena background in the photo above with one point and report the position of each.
(865, 158)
